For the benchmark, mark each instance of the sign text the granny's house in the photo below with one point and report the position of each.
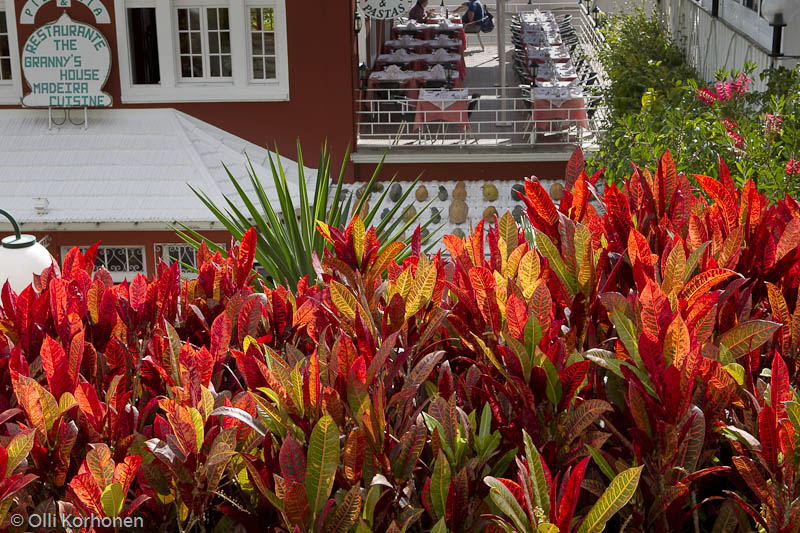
(66, 64)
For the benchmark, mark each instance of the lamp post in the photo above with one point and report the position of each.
(773, 12)
(21, 257)
(359, 23)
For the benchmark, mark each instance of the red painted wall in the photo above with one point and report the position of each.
(322, 78)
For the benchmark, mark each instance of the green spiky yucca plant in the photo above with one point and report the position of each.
(286, 245)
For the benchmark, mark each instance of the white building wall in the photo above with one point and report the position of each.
(737, 36)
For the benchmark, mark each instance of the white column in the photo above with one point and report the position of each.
(167, 57)
(240, 41)
(500, 26)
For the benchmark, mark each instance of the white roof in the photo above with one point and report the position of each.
(128, 166)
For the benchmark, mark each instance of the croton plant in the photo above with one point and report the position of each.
(624, 361)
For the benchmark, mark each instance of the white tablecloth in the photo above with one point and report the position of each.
(442, 98)
(557, 95)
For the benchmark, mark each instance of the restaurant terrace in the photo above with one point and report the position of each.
(530, 85)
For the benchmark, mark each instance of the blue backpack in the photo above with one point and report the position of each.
(482, 14)
(487, 25)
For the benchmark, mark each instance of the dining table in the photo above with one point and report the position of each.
(412, 43)
(432, 29)
(442, 105)
(411, 80)
(415, 61)
(558, 104)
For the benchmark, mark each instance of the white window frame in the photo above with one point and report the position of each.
(250, 56)
(172, 88)
(11, 90)
(120, 276)
(205, 51)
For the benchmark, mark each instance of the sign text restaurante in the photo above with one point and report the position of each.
(66, 64)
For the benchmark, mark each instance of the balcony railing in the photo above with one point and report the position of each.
(389, 118)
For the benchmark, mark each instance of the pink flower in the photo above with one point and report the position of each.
(741, 83)
(733, 133)
(772, 125)
(706, 96)
(792, 167)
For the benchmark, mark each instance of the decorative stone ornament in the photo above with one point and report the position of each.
(489, 213)
(458, 211)
(442, 193)
(460, 191)
(556, 191)
(516, 190)
(422, 193)
(489, 192)
(395, 192)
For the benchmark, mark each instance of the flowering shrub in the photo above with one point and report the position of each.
(628, 363)
(756, 132)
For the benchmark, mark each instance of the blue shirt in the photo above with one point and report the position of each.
(475, 7)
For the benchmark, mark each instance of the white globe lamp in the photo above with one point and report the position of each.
(21, 257)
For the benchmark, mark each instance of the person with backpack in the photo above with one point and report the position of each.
(476, 18)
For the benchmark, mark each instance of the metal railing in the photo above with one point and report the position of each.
(396, 117)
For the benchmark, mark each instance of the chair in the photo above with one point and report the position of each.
(473, 103)
(435, 84)
(385, 94)
(474, 27)
(407, 117)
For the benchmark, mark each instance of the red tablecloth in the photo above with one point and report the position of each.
(573, 110)
(456, 112)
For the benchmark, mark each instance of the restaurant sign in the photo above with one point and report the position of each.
(386, 9)
(66, 64)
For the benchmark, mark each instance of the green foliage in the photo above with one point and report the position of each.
(640, 59)
(654, 105)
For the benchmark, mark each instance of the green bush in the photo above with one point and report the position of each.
(640, 59)
(656, 103)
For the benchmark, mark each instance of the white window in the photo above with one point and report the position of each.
(122, 262)
(262, 43)
(5, 50)
(182, 253)
(10, 86)
(204, 43)
(207, 50)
